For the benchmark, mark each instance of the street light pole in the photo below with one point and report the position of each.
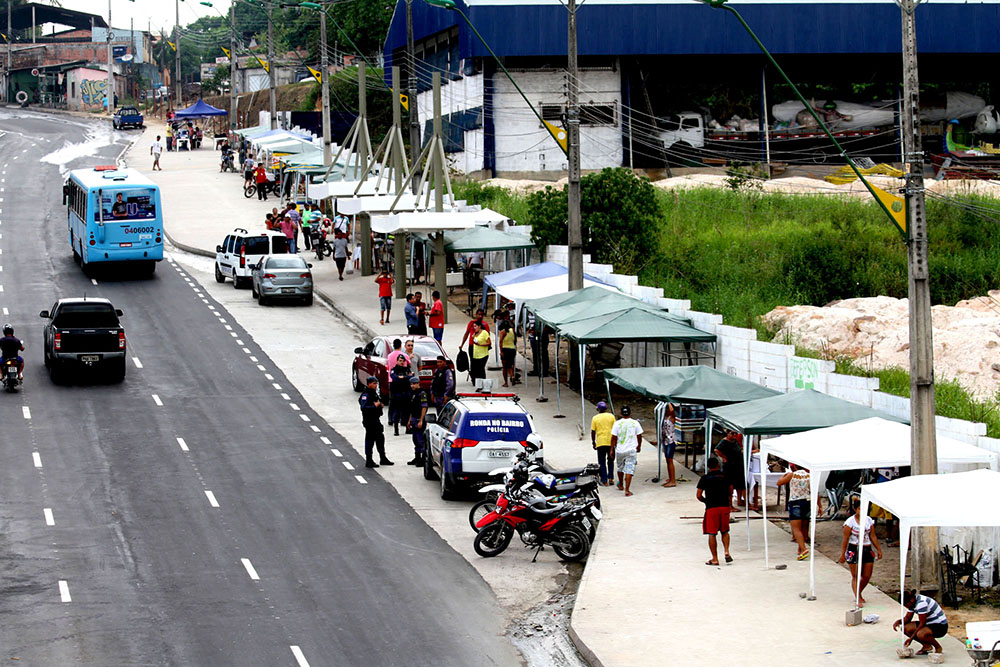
(272, 100)
(10, 38)
(233, 99)
(324, 66)
(178, 84)
(411, 91)
(574, 227)
(109, 95)
(923, 443)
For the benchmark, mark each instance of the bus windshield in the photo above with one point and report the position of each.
(138, 204)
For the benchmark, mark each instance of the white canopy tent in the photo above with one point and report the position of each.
(868, 443)
(431, 221)
(536, 289)
(957, 499)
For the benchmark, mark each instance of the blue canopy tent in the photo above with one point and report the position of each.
(200, 109)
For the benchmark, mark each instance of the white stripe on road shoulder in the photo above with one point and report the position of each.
(93, 280)
(135, 360)
(277, 387)
(6, 312)
(360, 479)
(305, 418)
(228, 328)
(249, 568)
(325, 440)
(64, 591)
(268, 376)
(184, 447)
(252, 358)
(314, 427)
(247, 350)
(260, 367)
(293, 406)
(26, 411)
(286, 397)
(299, 657)
(211, 498)
(336, 452)
(156, 399)
(37, 459)
(239, 342)
(347, 464)
(49, 519)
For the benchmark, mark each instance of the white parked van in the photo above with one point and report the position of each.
(242, 250)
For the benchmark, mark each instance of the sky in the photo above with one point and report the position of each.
(158, 13)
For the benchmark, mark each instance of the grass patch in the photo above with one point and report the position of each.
(494, 197)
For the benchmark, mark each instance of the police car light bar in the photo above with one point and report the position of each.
(484, 395)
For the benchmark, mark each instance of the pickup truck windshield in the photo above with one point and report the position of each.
(86, 316)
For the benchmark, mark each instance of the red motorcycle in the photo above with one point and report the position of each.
(563, 527)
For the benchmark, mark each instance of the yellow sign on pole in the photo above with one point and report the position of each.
(557, 133)
(893, 205)
(316, 73)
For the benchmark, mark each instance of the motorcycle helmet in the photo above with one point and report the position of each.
(8, 330)
(533, 442)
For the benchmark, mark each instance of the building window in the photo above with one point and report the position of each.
(553, 112)
(597, 114)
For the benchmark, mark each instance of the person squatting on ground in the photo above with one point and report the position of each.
(419, 402)
(713, 490)
(797, 480)
(399, 392)
(852, 546)
(626, 438)
(371, 420)
(931, 623)
(600, 439)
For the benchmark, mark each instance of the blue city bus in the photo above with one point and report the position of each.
(114, 215)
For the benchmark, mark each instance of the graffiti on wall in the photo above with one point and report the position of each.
(93, 90)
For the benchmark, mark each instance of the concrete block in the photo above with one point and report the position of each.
(853, 617)
(736, 332)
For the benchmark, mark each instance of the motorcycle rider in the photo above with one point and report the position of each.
(10, 346)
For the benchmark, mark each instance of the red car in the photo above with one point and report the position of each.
(372, 358)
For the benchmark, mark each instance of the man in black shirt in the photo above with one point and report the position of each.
(371, 419)
(731, 452)
(443, 383)
(119, 209)
(11, 347)
(419, 401)
(713, 490)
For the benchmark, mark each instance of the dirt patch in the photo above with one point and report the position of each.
(289, 98)
(542, 635)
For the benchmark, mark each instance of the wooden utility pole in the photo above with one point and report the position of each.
(574, 231)
(324, 66)
(923, 442)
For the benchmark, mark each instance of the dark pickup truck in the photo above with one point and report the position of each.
(85, 333)
(127, 117)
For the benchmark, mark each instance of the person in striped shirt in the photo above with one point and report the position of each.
(931, 623)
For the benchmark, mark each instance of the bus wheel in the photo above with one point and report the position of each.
(150, 268)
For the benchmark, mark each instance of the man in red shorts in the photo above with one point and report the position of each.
(713, 490)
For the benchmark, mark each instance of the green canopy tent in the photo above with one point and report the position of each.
(698, 385)
(798, 411)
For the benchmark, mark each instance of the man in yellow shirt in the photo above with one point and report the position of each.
(481, 344)
(600, 438)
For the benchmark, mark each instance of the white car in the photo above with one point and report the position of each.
(472, 435)
(242, 250)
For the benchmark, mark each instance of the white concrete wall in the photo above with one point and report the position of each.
(522, 144)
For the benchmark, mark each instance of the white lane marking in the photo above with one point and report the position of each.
(233, 334)
(253, 359)
(1, 251)
(26, 411)
(246, 350)
(93, 280)
(314, 427)
(156, 399)
(49, 519)
(347, 464)
(249, 568)
(260, 367)
(64, 591)
(37, 459)
(268, 376)
(360, 479)
(299, 657)
(204, 300)
(239, 342)
(184, 447)
(285, 397)
(325, 440)
(1, 288)
(222, 320)
(277, 386)
(228, 328)
(135, 360)
(6, 312)
(293, 406)
(305, 418)
(336, 452)
(211, 498)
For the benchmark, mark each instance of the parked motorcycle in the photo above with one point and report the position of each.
(10, 375)
(319, 242)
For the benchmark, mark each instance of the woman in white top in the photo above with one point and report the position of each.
(854, 545)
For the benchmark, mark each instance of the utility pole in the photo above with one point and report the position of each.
(10, 38)
(440, 268)
(233, 99)
(273, 102)
(574, 231)
(109, 95)
(324, 66)
(411, 92)
(131, 65)
(178, 84)
(923, 443)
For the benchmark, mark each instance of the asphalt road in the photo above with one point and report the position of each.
(192, 515)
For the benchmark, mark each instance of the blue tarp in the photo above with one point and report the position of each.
(200, 109)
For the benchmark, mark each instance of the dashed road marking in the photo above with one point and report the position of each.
(184, 447)
(253, 358)
(268, 376)
(277, 386)
(233, 334)
(347, 464)
(305, 418)
(260, 367)
(36, 459)
(156, 399)
(49, 519)
(314, 427)
(239, 342)
(295, 407)
(64, 591)
(325, 440)
(361, 479)
(93, 280)
(6, 312)
(249, 568)
(135, 360)
(246, 350)
(336, 452)
(299, 657)
(26, 411)
(285, 397)
(211, 498)
(228, 328)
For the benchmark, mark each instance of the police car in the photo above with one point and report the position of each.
(472, 435)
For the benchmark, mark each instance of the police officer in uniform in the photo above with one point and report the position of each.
(443, 384)
(419, 402)
(371, 419)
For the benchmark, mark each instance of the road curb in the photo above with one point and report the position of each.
(344, 313)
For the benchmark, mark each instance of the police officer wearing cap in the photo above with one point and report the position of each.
(371, 419)
(420, 400)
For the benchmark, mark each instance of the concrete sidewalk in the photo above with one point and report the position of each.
(646, 596)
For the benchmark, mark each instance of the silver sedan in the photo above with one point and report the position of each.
(282, 277)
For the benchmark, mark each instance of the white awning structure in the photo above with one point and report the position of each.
(373, 204)
(329, 189)
(957, 499)
(536, 289)
(431, 221)
(864, 444)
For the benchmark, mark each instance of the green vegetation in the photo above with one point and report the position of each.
(494, 197)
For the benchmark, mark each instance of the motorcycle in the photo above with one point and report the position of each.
(527, 513)
(319, 242)
(11, 378)
(227, 163)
